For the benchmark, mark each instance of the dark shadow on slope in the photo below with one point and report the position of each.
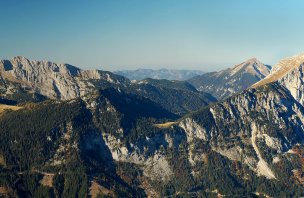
(175, 96)
(74, 71)
(7, 65)
(134, 113)
(7, 102)
(134, 106)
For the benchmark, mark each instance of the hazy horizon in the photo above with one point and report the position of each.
(132, 68)
(127, 35)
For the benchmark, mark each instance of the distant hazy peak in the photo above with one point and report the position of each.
(169, 74)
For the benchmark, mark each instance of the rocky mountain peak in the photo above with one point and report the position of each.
(227, 82)
(253, 60)
(252, 66)
(20, 59)
(20, 62)
(53, 80)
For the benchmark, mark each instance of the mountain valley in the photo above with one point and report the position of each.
(68, 132)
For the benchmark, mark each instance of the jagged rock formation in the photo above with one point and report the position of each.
(55, 81)
(227, 82)
(257, 127)
(268, 116)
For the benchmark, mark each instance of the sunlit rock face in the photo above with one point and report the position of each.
(268, 116)
(55, 81)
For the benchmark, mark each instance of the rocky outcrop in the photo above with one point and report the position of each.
(55, 81)
(245, 126)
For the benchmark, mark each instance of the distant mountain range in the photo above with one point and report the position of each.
(68, 132)
(169, 74)
(227, 82)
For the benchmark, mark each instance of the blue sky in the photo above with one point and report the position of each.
(127, 34)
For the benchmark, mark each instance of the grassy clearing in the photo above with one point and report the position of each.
(165, 125)
(2, 160)
(96, 190)
(4, 107)
(47, 180)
